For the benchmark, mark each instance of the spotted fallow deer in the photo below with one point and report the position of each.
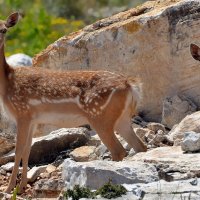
(195, 51)
(32, 95)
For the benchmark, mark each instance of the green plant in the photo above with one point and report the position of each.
(108, 190)
(15, 191)
(79, 192)
(37, 29)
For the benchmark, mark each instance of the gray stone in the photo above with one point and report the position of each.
(7, 143)
(48, 188)
(160, 190)
(94, 174)
(101, 151)
(189, 123)
(34, 173)
(144, 134)
(8, 167)
(160, 139)
(138, 122)
(175, 109)
(19, 59)
(94, 140)
(191, 142)
(47, 148)
(9, 157)
(171, 162)
(7, 126)
(155, 127)
(176, 190)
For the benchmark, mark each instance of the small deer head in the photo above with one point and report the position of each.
(4, 25)
(195, 51)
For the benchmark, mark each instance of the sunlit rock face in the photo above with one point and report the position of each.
(150, 42)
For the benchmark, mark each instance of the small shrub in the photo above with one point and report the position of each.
(108, 191)
(79, 192)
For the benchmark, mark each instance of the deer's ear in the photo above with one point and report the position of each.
(195, 51)
(12, 19)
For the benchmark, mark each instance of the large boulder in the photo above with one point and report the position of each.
(175, 109)
(189, 123)
(150, 41)
(19, 59)
(47, 148)
(94, 174)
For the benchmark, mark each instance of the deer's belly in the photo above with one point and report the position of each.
(67, 120)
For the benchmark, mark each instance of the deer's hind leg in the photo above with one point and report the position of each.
(126, 131)
(124, 128)
(106, 134)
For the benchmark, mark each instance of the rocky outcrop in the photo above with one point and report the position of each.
(151, 42)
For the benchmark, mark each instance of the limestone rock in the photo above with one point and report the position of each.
(8, 167)
(102, 152)
(160, 139)
(156, 127)
(150, 41)
(48, 188)
(171, 162)
(144, 134)
(175, 109)
(7, 143)
(6, 125)
(191, 142)
(84, 153)
(94, 141)
(161, 189)
(94, 174)
(35, 172)
(9, 157)
(189, 123)
(19, 59)
(45, 149)
(138, 122)
(176, 190)
(50, 168)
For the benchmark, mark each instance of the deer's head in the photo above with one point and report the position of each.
(5, 25)
(195, 51)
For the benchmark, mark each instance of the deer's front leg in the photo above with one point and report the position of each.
(22, 131)
(25, 159)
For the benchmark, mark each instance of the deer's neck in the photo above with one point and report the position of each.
(4, 70)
